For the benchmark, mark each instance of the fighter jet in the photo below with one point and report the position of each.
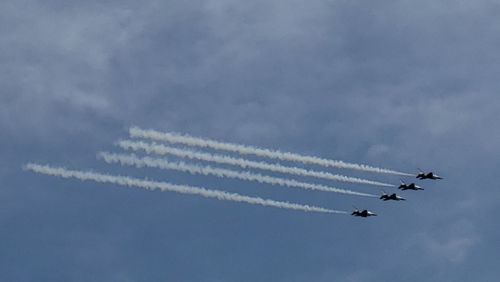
(363, 213)
(410, 186)
(392, 196)
(429, 175)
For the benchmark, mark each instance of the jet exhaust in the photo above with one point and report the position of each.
(222, 159)
(133, 160)
(165, 186)
(175, 138)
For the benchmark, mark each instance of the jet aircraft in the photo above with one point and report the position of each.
(429, 175)
(362, 213)
(392, 196)
(410, 186)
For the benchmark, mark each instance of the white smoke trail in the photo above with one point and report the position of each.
(133, 160)
(165, 186)
(165, 150)
(250, 150)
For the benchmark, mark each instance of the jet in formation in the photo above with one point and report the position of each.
(429, 175)
(412, 186)
(363, 213)
(393, 197)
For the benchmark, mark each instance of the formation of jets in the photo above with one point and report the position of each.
(403, 186)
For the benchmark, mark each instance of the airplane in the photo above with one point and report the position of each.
(410, 186)
(429, 175)
(362, 213)
(392, 196)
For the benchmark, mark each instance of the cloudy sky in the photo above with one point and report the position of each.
(397, 84)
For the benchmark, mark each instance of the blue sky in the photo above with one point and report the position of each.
(397, 84)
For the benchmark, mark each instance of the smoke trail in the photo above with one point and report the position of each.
(250, 150)
(165, 150)
(133, 160)
(165, 186)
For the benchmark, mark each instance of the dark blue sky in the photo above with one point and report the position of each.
(397, 84)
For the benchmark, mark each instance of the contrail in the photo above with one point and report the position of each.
(165, 150)
(133, 160)
(165, 186)
(250, 150)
